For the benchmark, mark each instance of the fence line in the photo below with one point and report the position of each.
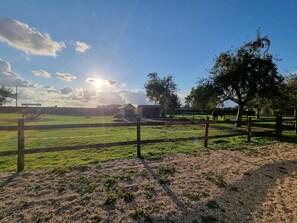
(21, 137)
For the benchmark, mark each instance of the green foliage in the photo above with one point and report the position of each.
(149, 190)
(192, 196)
(203, 96)
(41, 217)
(162, 91)
(164, 169)
(110, 199)
(216, 179)
(5, 94)
(127, 195)
(139, 214)
(110, 182)
(96, 219)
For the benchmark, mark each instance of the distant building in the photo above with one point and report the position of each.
(126, 110)
(152, 111)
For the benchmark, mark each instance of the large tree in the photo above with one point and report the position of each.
(291, 92)
(203, 96)
(162, 91)
(242, 74)
(5, 95)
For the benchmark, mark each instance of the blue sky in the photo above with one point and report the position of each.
(85, 53)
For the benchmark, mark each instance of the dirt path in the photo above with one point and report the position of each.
(211, 186)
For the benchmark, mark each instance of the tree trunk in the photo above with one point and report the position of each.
(239, 115)
(258, 113)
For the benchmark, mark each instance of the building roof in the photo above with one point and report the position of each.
(129, 106)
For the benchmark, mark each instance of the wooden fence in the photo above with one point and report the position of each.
(21, 127)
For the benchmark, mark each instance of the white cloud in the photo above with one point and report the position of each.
(41, 73)
(81, 47)
(135, 96)
(10, 78)
(65, 76)
(66, 90)
(19, 35)
(97, 82)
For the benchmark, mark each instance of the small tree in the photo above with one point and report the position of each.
(203, 96)
(249, 71)
(163, 92)
(5, 95)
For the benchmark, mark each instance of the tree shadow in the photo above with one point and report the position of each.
(240, 200)
(167, 190)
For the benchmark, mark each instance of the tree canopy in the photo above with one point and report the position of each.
(242, 74)
(5, 94)
(162, 91)
(203, 96)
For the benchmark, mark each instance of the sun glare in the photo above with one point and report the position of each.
(98, 83)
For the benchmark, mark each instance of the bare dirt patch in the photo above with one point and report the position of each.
(210, 186)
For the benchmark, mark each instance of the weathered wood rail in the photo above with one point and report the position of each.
(21, 127)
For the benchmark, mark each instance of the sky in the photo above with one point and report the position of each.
(86, 53)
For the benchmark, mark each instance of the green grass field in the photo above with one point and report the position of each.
(82, 136)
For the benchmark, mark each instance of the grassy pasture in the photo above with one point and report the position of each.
(82, 136)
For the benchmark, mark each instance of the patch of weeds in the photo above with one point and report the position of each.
(212, 204)
(110, 199)
(82, 168)
(110, 182)
(23, 203)
(192, 196)
(41, 217)
(96, 219)
(163, 170)
(86, 188)
(126, 177)
(152, 156)
(139, 214)
(127, 195)
(208, 219)
(247, 174)
(144, 173)
(205, 193)
(84, 200)
(2, 216)
(61, 170)
(149, 191)
(164, 180)
(216, 179)
(61, 188)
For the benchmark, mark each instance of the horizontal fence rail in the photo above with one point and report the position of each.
(20, 152)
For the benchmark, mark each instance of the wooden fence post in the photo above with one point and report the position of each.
(249, 129)
(206, 132)
(21, 145)
(138, 138)
(279, 126)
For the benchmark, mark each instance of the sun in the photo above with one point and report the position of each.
(98, 83)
